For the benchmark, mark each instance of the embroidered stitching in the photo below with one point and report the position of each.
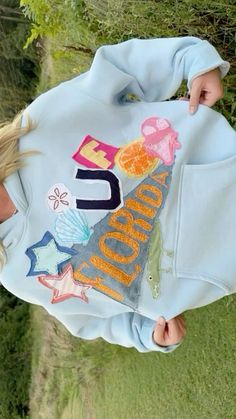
(155, 249)
(97, 283)
(107, 259)
(64, 286)
(114, 271)
(139, 207)
(59, 198)
(161, 178)
(117, 257)
(72, 227)
(107, 252)
(47, 256)
(129, 223)
(134, 160)
(142, 155)
(148, 199)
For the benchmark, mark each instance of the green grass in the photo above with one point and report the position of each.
(53, 379)
(196, 381)
(75, 379)
(72, 379)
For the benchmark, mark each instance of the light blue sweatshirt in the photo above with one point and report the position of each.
(127, 213)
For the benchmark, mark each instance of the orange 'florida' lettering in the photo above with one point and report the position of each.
(128, 231)
(97, 283)
(115, 272)
(146, 198)
(110, 254)
(128, 225)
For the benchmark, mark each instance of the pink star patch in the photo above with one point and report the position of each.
(64, 286)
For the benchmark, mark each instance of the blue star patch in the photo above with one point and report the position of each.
(47, 256)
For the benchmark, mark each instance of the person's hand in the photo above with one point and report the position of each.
(206, 89)
(169, 332)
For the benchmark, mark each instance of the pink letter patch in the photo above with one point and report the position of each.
(93, 153)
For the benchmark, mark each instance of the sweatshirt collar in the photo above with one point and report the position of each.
(12, 229)
(15, 190)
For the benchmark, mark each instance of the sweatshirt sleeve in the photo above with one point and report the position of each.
(127, 329)
(152, 69)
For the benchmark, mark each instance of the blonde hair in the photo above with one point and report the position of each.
(10, 158)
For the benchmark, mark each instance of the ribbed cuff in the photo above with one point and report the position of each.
(203, 58)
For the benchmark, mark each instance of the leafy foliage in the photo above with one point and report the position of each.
(208, 19)
(74, 27)
(19, 68)
(47, 17)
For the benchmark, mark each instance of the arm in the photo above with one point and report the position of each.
(127, 329)
(153, 69)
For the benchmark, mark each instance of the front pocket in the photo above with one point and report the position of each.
(205, 246)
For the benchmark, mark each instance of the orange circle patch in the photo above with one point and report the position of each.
(134, 160)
